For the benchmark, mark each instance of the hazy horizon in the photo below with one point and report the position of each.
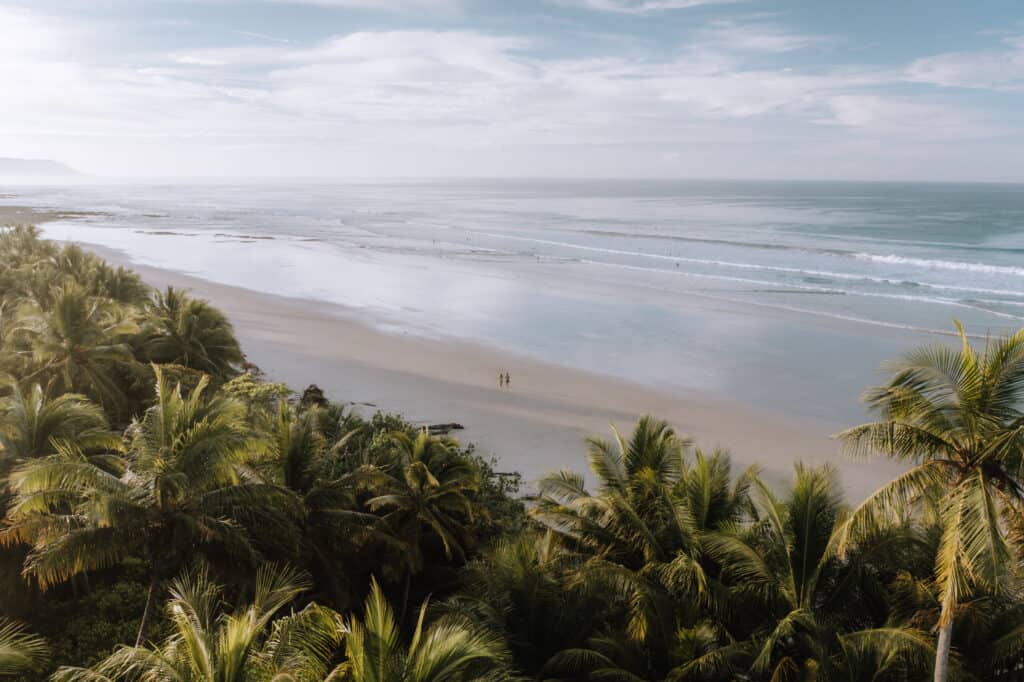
(445, 89)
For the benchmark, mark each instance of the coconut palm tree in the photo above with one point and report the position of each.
(31, 424)
(189, 331)
(809, 606)
(642, 533)
(632, 518)
(425, 492)
(184, 488)
(297, 454)
(20, 651)
(520, 590)
(888, 654)
(118, 284)
(212, 644)
(450, 650)
(956, 415)
(77, 345)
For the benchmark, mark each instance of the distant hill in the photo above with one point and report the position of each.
(34, 168)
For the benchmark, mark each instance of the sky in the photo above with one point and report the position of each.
(776, 89)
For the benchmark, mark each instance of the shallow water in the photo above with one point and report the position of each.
(784, 295)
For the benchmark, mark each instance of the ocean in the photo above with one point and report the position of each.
(785, 295)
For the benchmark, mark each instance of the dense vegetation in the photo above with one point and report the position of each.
(171, 515)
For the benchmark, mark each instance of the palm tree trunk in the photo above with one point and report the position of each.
(145, 611)
(945, 640)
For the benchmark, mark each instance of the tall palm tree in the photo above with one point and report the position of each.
(213, 644)
(20, 651)
(449, 650)
(184, 489)
(189, 331)
(77, 344)
(957, 415)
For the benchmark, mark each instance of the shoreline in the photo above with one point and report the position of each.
(537, 425)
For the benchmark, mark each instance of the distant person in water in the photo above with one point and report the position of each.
(501, 380)
(508, 380)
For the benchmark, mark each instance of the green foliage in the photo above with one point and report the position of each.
(257, 395)
(447, 651)
(20, 651)
(212, 644)
(187, 331)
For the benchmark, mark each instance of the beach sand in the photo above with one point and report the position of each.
(537, 425)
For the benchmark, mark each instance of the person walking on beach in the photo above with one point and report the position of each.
(501, 380)
(508, 380)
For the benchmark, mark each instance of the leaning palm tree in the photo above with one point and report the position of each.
(189, 331)
(20, 651)
(958, 416)
(450, 650)
(212, 644)
(76, 345)
(184, 488)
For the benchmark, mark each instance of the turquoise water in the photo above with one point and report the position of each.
(786, 295)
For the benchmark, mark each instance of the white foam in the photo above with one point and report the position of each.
(893, 259)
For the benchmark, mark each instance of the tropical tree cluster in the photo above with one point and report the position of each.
(168, 514)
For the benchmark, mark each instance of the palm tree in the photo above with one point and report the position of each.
(189, 331)
(212, 644)
(118, 284)
(450, 650)
(426, 492)
(783, 563)
(77, 344)
(958, 416)
(20, 651)
(887, 654)
(642, 533)
(332, 520)
(184, 489)
(632, 519)
(31, 425)
(782, 566)
(520, 591)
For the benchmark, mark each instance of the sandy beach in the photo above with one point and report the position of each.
(536, 425)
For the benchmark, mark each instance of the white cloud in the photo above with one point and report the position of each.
(384, 5)
(192, 60)
(910, 118)
(1001, 69)
(262, 36)
(640, 6)
(457, 102)
(757, 37)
